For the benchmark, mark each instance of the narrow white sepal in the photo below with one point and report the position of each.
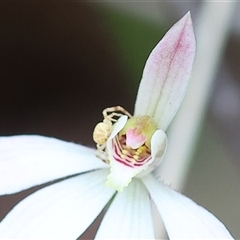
(27, 161)
(129, 215)
(183, 218)
(166, 74)
(63, 210)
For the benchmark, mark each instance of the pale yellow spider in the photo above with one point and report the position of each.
(103, 129)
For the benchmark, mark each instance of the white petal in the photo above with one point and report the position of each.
(118, 127)
(120, 176)
(26, 161)
(183, 218)
(129, 215)
(167, 73)
(158, 149)
(158, 143)
(61, 211)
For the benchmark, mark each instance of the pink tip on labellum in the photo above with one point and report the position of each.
(134, 138)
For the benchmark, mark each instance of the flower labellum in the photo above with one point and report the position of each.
(135, 145)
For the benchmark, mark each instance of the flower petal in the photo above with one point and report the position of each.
(118, 126)
(26, 161)
(61, 211)
(158, 149)
(167, 73)
(120, 175)
(183, 218)
(129, 215)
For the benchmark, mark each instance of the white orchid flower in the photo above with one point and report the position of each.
(133, 145)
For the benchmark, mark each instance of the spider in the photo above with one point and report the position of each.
(103, 129)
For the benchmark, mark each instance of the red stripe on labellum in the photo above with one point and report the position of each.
(119, 144)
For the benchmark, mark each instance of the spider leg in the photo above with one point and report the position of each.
(115, 109)
(112, 115)
(101, 153)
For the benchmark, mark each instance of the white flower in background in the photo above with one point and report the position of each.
(133, 146)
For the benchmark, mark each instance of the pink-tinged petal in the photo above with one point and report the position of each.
(63, 210)
(167, 73)
(183, 218)
(26, 161)
(129, 215)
